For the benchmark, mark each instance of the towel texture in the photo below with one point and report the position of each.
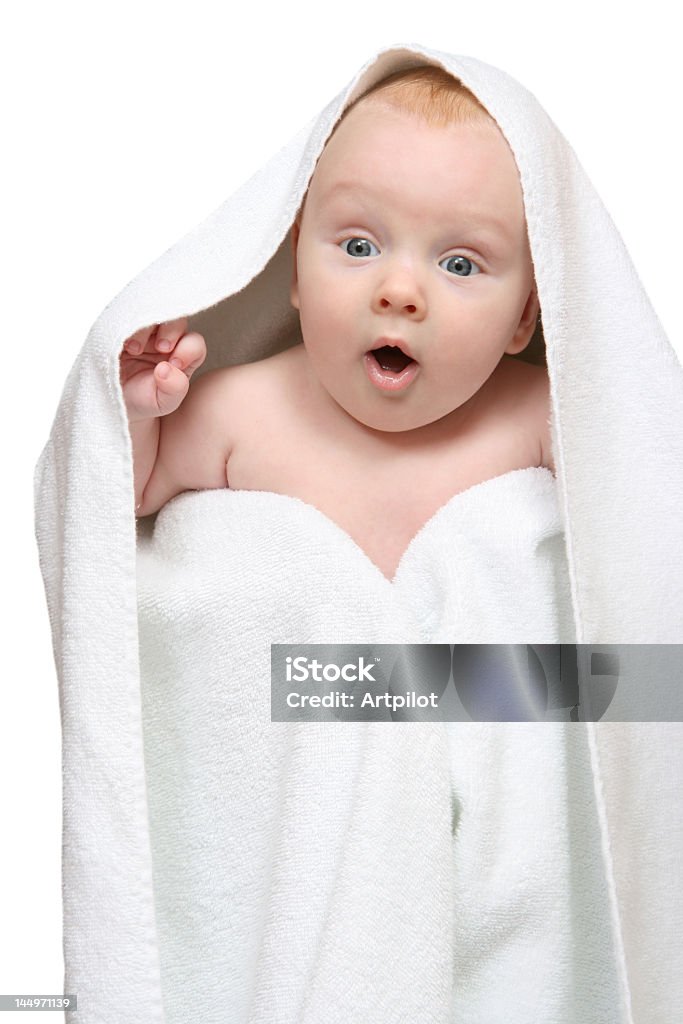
(287, 858)
(460, 873)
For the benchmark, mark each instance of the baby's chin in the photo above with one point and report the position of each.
(395, 418)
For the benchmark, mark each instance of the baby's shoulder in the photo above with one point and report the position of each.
(523, 395)
(242, 384)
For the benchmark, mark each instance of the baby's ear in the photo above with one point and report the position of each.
(527, 324)
(294, 287)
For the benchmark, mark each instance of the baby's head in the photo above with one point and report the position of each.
(412, 235)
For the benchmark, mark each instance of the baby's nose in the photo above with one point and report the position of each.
(400, 291)
(409, 307)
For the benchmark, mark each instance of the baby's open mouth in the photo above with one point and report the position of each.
(390, 357)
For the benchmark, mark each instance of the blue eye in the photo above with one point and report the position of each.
(461, 266)
(359, 247)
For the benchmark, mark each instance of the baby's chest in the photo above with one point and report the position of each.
(383, 528)
(381, 507)
(378, 488)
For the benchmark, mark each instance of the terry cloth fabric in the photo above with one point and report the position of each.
(531, 810)
(288, 858)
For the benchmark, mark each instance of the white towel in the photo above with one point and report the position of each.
(610, 806)
(309, 872)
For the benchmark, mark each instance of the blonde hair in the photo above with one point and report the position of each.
(430, 93)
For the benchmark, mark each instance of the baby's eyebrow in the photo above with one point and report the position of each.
(471, 221)
(347, 190)
(483, 219)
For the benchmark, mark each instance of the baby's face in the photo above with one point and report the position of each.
(412, 236)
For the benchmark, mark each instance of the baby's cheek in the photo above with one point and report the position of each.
(323, 321)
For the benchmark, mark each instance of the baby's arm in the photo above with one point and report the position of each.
(180, 435)
(193, 446)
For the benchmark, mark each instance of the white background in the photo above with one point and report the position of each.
(124, 125)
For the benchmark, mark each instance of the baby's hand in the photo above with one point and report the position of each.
(155, 368)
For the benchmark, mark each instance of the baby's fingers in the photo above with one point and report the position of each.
(171, 387)
(189, 353)
(138, 342)
(156, 337)
(169, 334)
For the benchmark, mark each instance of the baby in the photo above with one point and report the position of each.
(414, 283)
